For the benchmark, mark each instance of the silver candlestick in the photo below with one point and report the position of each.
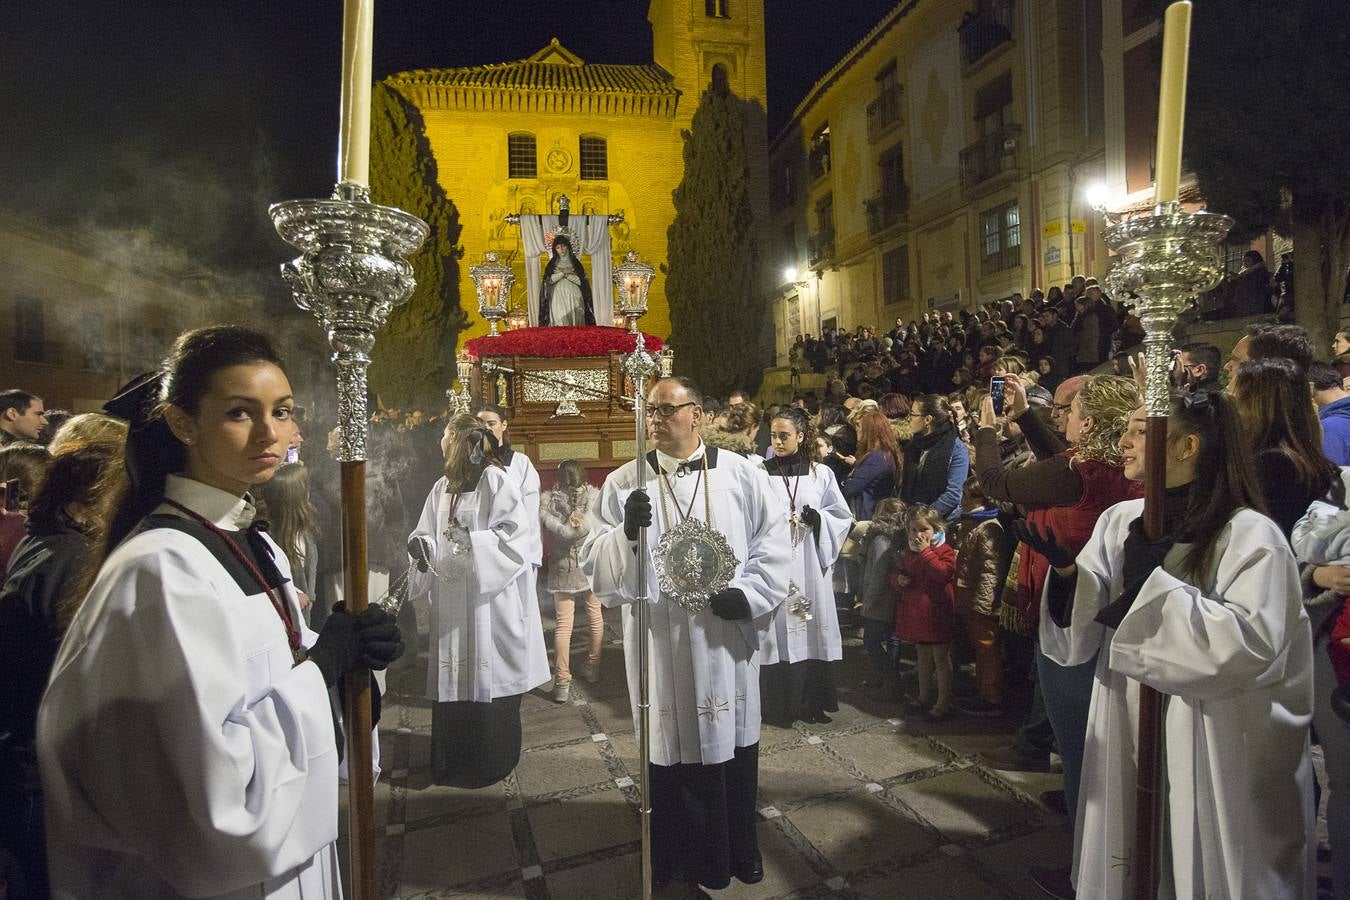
(1165, 259)
(351, 272)
(641, 365)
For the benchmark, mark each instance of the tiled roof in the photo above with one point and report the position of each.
(554, 79)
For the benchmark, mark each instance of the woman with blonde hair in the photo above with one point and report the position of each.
(86, 429)
(1072, 482)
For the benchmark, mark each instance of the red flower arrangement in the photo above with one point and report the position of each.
(559, 341)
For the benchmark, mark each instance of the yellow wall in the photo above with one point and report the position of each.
(645, 165)
(645, 151)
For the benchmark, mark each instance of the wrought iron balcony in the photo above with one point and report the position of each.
(885, 210)
(885, 111)
(820, 248)
(985, 29)
(990, 156)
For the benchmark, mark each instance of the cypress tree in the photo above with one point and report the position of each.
(717, 306)
(414, 359)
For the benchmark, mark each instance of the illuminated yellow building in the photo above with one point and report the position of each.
(940, 164)
(513, 137)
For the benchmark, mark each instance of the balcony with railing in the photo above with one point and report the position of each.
(990, 156)
(820, 248)
(885, 111)
(886, 210)
(984, 30)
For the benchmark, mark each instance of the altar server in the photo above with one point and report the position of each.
(186, 739)
(1211, 616)
(471, 550)
(795, 677)
(526, 477)
(704, 671)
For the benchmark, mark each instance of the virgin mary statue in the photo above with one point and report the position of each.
(566, 296)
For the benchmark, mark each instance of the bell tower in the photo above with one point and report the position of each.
(697, 40)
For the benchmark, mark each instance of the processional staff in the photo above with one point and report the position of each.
(1166, 259)
(633, 280)
(351, 273)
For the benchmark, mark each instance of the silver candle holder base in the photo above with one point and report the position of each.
(351, 273)
(1165, 259)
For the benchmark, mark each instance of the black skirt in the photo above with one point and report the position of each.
(801, 690)
(474, 745)
(703, 819)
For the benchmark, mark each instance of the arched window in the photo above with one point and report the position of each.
(594, 158)
(521, 158)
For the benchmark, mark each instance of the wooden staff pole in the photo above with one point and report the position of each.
(1149, 758)
(356, 690)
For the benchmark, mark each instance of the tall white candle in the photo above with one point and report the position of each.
(358, 32)
(1172, 101)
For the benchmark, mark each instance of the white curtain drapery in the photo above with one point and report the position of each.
(592, 241)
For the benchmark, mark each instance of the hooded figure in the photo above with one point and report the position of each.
(566, 297)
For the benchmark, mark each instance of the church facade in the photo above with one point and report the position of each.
(514, 137)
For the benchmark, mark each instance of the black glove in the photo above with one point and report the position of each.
(380, 639)
(417, 549)
(1060, 557)
(730, 604)
(637, 513)
(338, 648)
(811, 518)
(1141, 557)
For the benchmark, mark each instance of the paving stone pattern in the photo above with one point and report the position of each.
(869, 805)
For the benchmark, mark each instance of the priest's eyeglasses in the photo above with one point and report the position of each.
(666, 410)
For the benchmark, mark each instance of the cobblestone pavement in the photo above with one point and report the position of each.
(865, 806)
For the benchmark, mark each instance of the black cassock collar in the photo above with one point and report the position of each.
(686, 468)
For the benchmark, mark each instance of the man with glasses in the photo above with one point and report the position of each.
(22, 417)
(1063, 399)
(704, 680)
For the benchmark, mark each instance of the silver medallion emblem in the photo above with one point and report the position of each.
(693, 562)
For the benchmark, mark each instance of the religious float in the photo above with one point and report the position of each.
(564, 387)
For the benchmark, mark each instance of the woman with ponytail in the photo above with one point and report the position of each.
(1210, 615)
(186, 739)
(473, 552)
(795, 677)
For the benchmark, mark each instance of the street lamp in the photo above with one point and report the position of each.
(790, 274)
(492, 281)
(1097, 195)
(633, 279)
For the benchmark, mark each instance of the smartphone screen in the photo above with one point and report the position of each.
(996, 393)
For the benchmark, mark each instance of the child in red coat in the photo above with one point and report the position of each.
(926, 611)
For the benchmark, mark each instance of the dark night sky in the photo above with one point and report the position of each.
(190, 116)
